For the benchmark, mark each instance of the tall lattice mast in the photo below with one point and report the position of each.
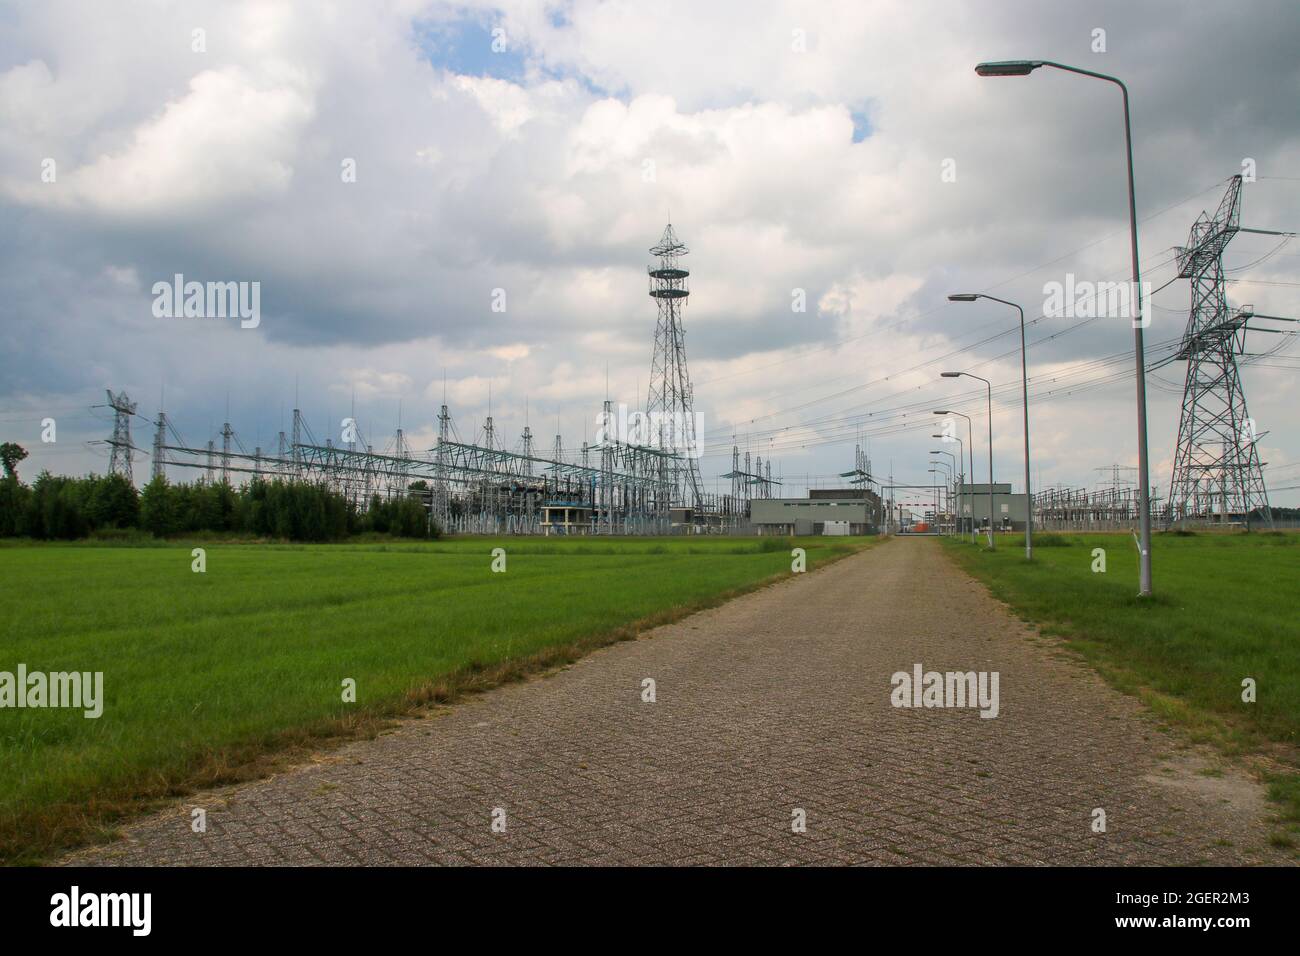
(160, 446)
(119, 461)
(671, 402)
(1217, 473)
(441, 489)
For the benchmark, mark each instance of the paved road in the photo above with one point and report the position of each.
(775, 702)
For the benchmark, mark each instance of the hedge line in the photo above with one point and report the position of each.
(56, 506)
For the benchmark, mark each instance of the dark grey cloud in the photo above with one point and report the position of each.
(525, 172)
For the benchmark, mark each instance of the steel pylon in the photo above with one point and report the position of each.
(1217, 475)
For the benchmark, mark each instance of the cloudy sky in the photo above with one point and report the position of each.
(845, 153)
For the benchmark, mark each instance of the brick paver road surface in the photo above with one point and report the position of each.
(777, 701)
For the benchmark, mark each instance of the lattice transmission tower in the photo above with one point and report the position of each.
(671, 403)
(1217, 474)
(119, 461)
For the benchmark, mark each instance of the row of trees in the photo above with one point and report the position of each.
(55, 506)
(59, 507)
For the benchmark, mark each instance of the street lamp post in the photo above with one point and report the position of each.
(952, 475)
(951, 489)
(988, 385)
(940, 494)
(1024, 394)
(970, 450)
(959, 480)
(1024, 68)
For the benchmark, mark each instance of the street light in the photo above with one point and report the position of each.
(948, 476)
(1008, 68)
(970, 450)
(953, 472)
(1024, 68)
(938, 495)
(960, 479)
(1024, 393)
(989, 386)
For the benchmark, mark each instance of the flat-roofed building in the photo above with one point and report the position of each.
(566, 517)
(1009, 510)
(825, 511)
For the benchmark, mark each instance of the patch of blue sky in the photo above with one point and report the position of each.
(466, 46)
(861, 125)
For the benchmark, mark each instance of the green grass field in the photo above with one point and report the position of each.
(1226, 607)
(203, 673)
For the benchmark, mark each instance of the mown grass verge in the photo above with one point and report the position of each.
(223, 676)
(1226, 608)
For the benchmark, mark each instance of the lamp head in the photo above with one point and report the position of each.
(950, 374)
(963, 297)
(1008, 67)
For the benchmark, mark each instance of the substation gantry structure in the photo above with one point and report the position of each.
(473, 487)
(648, 485)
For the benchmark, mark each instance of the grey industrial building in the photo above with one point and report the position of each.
(1009, 511)
(824, 511)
